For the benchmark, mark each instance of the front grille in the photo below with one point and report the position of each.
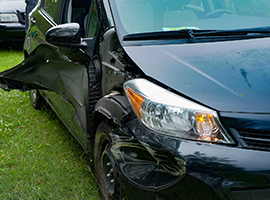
(255, 139)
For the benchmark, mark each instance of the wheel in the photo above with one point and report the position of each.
(36, 100)
(216, 13)
(104, 163)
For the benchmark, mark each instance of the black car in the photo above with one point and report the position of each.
(173, 97)
(12, 21)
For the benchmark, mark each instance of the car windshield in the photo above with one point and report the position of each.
(148, 16)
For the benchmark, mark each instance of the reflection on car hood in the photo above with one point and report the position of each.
(229, 76)
(12, 6)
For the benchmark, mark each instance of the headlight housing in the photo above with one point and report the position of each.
(165, 112)
(8, 18)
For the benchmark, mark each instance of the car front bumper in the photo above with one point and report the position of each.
(12, 32)
(160, 167)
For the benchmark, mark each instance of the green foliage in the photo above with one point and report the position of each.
(39, 158)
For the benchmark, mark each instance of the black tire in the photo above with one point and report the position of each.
(37, 100)
(104, 164)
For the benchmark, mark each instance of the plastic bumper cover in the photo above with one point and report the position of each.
(156, 166)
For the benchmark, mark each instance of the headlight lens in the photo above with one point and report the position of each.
(8, 17)
(165, 112)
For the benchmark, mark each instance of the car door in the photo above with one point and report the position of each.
(62, 71)
(42, 19)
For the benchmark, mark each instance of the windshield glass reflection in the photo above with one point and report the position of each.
(144, 16)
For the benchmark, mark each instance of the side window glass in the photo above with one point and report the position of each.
(53, 8)
(50, 6)
(92, 23)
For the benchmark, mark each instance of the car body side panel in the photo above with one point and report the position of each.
(36, 33)
(66, 113)
(48, 69)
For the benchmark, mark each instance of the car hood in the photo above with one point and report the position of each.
(12, 6)
(231, 76)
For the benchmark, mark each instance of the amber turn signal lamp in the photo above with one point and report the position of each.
(135, 99)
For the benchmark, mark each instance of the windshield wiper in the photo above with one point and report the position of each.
(233, 32)
(194, 33)
(187, 33)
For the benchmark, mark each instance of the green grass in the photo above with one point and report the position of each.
(39, 158)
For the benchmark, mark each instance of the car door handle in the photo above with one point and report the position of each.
(33, 20)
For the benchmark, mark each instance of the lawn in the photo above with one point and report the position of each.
(39, 158)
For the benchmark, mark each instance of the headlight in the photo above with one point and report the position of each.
(167, 113)
(8, 17)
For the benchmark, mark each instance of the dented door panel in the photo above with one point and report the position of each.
(67, 114)
(48, 69)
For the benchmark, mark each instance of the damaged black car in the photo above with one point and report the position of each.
(172, 97)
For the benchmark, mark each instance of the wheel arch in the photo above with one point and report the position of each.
(114, 107)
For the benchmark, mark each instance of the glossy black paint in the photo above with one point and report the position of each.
(195, 170)
(221, 74)
(48, 69)
(227, 76)
(64, 34)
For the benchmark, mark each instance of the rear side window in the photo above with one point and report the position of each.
(53, 8)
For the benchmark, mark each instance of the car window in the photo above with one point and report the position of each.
(92, 23)
(77, 11)
(49, 6)
(53, 8)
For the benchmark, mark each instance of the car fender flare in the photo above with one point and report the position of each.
(114, 107)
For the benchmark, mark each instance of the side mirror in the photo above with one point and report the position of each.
(64, 34)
